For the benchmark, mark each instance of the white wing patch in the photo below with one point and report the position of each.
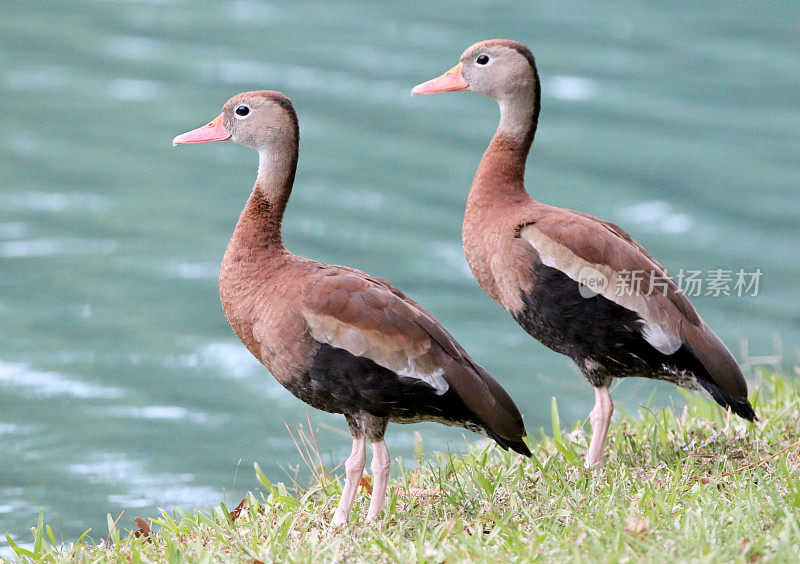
(434, 379)
(618, 289)
(390, 351)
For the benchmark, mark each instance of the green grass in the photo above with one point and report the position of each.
(699, 486)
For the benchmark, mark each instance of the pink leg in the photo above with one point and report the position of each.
(354, 468)
(600, 418)
(380, 476)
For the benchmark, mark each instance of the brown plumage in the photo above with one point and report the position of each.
(335, 337)
(536, 261)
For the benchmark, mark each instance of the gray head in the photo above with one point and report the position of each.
(499, 68)
(262, 120)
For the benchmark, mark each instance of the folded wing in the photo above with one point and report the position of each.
(579, 245)
(369, 318)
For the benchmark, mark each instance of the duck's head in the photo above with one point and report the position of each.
(261, 120)
(497, 68)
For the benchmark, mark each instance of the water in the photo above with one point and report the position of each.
(121, 385)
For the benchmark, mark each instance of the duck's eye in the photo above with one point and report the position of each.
(242, 111)
(482, 59)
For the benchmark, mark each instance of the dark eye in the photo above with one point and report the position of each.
(482, 59)
(242, 110)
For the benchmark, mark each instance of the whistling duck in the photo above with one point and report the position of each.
(335, 337)
(580, 285)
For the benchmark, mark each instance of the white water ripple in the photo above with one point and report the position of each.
(572, 88)
(157, 413)
(657, 216)
(55, 202)
(36, 383)
(192, 270)
(25, 248)
(139, 488)
(230, 359)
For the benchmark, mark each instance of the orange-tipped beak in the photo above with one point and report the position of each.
(214, 131)
(451, 81)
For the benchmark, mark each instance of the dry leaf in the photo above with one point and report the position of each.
(143, 530)
(236, 512)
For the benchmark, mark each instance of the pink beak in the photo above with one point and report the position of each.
(451, 81)
(214, 131)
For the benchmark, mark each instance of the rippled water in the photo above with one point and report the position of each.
(121, 385)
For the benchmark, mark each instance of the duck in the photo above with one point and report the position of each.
(580, 285)
(337, 338)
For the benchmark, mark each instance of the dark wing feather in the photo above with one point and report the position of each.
(570, 241)
(367, 317)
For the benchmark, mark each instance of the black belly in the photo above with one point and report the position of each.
(340, 382)
(605, 339)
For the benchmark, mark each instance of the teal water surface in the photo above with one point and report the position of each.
(121, 385)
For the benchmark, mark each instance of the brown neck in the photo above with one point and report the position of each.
(501, 174)
(259, 224)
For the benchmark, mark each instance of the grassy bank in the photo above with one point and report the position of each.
(695, 486)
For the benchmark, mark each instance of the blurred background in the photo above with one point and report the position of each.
(122, 386)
